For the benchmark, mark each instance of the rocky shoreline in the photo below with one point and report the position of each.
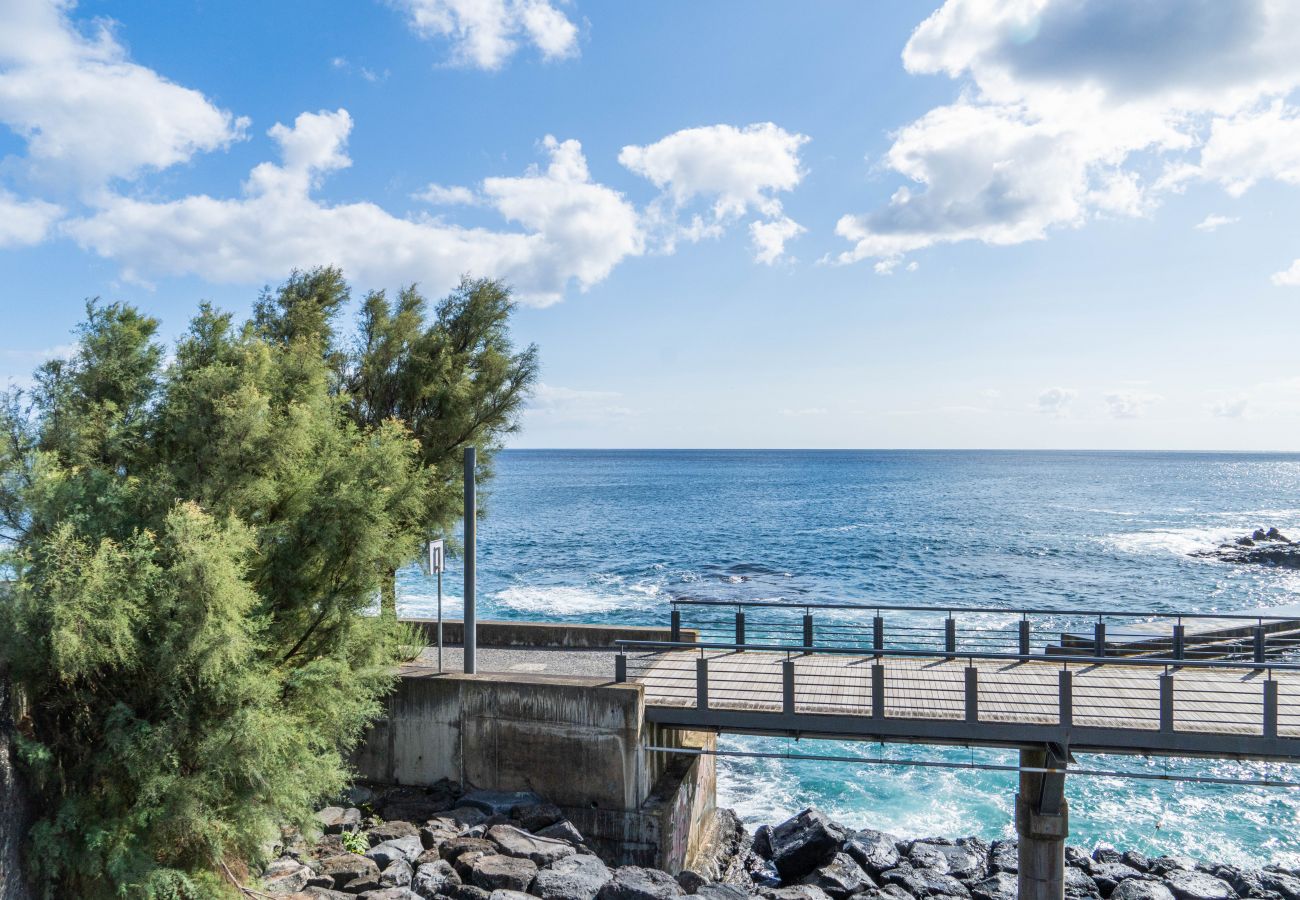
(1269, 548)
(448, 844)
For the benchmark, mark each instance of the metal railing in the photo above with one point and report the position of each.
(1063, 689)
(957, 630)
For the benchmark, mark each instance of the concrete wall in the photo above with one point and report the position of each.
(546, 634)
(575, 741)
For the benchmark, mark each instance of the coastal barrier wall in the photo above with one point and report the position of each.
(548, 635)
(576, 741)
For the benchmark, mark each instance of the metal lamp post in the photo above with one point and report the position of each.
(470, 624)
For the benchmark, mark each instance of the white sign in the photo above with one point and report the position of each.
(437, 564)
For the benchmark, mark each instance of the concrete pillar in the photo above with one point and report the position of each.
(1042, 824)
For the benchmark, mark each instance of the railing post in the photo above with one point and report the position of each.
(1065, 698)
(740, 626)
(950, 635)
(1259, 643)
(620, 668)
(702, 683)
(787, 687)
(878, 633)
(675, 628)
(1024, 637)
(972, 695)
(807, 629)
(1270, 708)
(1099, 639)
(1167, 703)
(1180, 641)
(877, 691)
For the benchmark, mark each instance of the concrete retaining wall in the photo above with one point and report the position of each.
(549, 635)
(575, 741)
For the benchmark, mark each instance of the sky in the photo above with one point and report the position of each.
(975, 223)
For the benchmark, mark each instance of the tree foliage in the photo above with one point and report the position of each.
(192, 546)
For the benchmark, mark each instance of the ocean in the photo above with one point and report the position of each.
(613, 536)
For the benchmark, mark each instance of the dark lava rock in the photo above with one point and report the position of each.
(1136, 860)
(1162, 865)
(519, 843)
(397, 874)
(691, 881)
(393, 893)
(500, 802)
(1280, 883)
(634, 883)
(1107, 855)
(763, 841)
(761, 871)
(577, 877)
(1078, 858)
(924, 882)
(875, 851)
(470, 892)
(963, 861)
(1137, 889)
(388, 831)
(1004, 856)
(336, 819)
(1108, 875)
(501, 872)
(434, 878)
(1079, 884)
(536, 816)
(1199, 886)
(1001, 886)
(562, 831)
(361, 884)
(804, 842)
(452, 849)
(405, 848)
(841, 877)
(509, 895)
(347, 867)
(721, 892)
(796, 892)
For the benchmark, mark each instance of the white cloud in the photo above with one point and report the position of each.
(570, 228)
(1234, 408)
(25, 222)
(737, 171)
(441, 195)
(769, 238)
(1288, 277)
(1067, 104)
(1214, 222)
(89, 114)
(553, 404)
(485, 33)
(1128, 404)
(1056, 401)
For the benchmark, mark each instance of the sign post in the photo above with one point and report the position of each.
(436, 565)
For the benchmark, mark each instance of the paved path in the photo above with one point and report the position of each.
(593, 663)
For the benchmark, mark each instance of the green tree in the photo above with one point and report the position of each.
(454, 379)
(190, 548)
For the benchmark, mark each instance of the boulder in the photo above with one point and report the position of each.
(519, 843)
(395, 893)
(1274, 535)
(562, 831)
(761, 871)
(1138, 889)
(924, 882)
(691, 881)
(509, 895)
(804, 842)
(347, 867)
(961, 861)
(578, 877)
(427, 856)
(397, 874)
(466, 817)
(1280, 883)
(1078, 858)
(464, 864)
(336, 819)
(634, 883)
(1000, 886)
(286, 877)
(841, 877)
(1136, 860)
(1104, 854)
(875, 851)
(1004, 856)
(885, 892)
(1079, 885)
(763, 841)
(1198, 886)
(387, 831)
(404, 848)
(1108, 875)
(434, 878)
(361, 884)
(453, 848)
(469, 892)
(721, 892)
(500, 872)
(796, 892)
(536, 816)
(499, 802)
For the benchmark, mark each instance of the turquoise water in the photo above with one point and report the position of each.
(615, 535)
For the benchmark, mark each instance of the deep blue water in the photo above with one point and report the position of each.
(614, 535)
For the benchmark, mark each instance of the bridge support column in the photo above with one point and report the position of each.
(1042, 824)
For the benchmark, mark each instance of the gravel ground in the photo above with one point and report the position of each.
(596, 663)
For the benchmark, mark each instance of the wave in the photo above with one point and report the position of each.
(1178, 541)
(559, 600)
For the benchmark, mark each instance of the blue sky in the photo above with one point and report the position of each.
(1035, 223)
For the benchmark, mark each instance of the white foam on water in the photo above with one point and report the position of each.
(1177, 541)
(560, 600)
